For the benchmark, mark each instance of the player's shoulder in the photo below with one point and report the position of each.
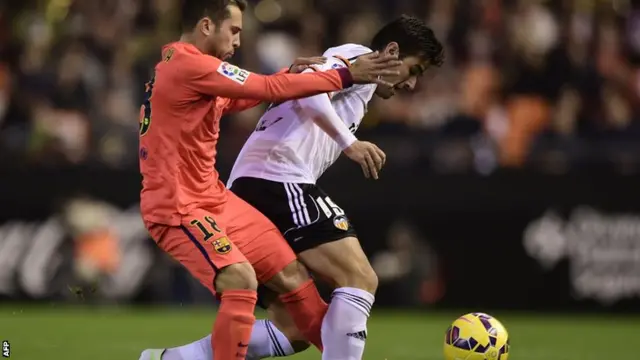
(350, 51)
(346, 53)
(344, 56)
(182, 55)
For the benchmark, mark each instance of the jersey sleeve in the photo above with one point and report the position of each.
(319, 108)
(238, 105)
(210, 76)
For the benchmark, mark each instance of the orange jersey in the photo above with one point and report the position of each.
(180, 125)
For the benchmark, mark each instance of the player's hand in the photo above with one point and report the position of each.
(371, 67)
(369, 156)
(303, 63)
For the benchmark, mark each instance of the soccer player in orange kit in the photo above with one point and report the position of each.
(224, 242)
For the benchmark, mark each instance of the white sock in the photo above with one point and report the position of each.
(266, 341)
(344, 328)
(197, 350)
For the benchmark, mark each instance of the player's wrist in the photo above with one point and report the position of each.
(346, 77)
(346, 140)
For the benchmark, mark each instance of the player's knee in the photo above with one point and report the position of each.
(289, 279)
(236, 277)
(359, 274)
(344, 263)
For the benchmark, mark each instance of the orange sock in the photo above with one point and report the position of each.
(307, 310)
(232, 328)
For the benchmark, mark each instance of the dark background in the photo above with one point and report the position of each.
(513, 171)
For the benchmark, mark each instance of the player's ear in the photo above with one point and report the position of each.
(207, 26)
(392, 48)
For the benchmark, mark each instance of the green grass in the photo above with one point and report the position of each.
(120, 334)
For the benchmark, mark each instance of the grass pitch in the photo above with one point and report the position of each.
(54, 333)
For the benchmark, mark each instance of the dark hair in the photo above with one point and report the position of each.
(414, 38)
(194, 10)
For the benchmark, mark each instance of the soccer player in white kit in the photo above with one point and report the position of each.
(276, 172)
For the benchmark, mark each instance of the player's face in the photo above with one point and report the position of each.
(411, 69)
(225, 39)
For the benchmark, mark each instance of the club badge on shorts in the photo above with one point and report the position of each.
(341, 223)
(222, 245)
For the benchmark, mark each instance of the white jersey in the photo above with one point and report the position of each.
(287, 148)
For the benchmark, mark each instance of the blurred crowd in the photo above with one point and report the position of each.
(534, 82)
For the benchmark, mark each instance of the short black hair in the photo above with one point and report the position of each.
(194, 10)
(414, 38)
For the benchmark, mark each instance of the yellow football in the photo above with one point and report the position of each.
(476, 336)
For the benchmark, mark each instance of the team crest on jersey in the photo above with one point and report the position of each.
(234, 73)
(222, 245)
(341, 223)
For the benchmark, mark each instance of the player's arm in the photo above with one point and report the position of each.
(299, 65)
(319, 108)
(210, 76)
(238, 105)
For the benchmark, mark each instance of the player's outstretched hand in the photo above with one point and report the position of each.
(369, 156)
(303, 63)
(371, 67)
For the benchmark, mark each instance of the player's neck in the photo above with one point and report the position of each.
(190, 39)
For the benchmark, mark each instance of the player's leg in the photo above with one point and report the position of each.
(299, 295)
(344, 264)
(202, 247)
(285, 329)
(321, 234)
(276, 266)
(276, 336)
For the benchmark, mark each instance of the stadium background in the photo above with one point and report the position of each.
(512, 185)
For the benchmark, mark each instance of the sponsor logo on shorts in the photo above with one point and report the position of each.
(234, 73)
(341, 223)
(222, 245)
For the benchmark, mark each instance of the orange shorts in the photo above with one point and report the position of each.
(209, 240)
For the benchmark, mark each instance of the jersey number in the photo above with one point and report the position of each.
(145, 121)
(206, 233)
(329, 207)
